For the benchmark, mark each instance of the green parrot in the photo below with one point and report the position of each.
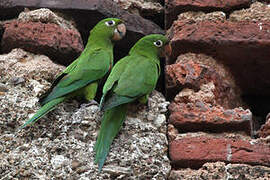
(132, 78)
(81, 78)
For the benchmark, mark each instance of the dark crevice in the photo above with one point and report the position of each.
(156, 18)
(10, 13)
(1, 35)
(259, 106)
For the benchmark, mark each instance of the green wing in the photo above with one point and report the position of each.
(58, 78)
(135, 77)
(114, 76)
(90, 67)
(139, 78)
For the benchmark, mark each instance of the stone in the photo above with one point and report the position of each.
(264, 131)
(140, 6)
(194, 151)
(45, 15)
(151, 10)
(257, 12)
(175, 7)
(235, 44)
(21, 98)
(219, 170)
(61, 45)
(60, 145)
(17, 80)
(204, 79)
(86, 14)
(172, 132)
(3, 88)
(200, 16)
(200, 116)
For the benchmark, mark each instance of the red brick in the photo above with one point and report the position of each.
(175, 7)
(244, 46)
(50, 39)
(200, 116)
(195, 151)
(194, 70)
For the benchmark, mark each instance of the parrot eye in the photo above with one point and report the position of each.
(110, 23)
(158, 43)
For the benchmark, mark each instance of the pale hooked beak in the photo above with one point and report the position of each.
(166, 50)
(119, 32)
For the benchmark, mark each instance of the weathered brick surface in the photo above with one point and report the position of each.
(257, 12)
(200, 116)
(220, 170)
(194, 71)
(62, 45)
(175, 7)
(195, 151)
(222, 38)
(237, 44)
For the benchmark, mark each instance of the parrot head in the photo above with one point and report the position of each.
(153, 44)
(111, 28)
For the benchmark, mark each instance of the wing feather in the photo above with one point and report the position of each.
(89, 68)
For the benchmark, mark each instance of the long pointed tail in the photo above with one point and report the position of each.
(110, 125)
(43, 110)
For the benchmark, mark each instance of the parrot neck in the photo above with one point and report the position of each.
(150, 53)
(99, 42)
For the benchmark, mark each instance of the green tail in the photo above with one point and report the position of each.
(43, 110)
(110, 125)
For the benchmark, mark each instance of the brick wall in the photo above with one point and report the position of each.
(217, 80)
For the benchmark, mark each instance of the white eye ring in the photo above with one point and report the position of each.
(158, 43)
(110, 23)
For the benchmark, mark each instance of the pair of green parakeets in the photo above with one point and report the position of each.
(132, 78)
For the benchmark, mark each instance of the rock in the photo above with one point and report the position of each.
(236, 44)
(204, 78)
(200, 16)
(44, 15)
(207, 171)
(204, 117)
(257, 12)
(264, 131)
(172, 132)
(140, 6)
(151, 10)
(60, 145)
(19, 101)
(195, 150)
(3, 88)
(86, 14)
(61, 45)
(175, 7)
(220, 170)
(17, 80)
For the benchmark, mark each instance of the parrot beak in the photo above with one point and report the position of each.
(119, 32)
(167, 50)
